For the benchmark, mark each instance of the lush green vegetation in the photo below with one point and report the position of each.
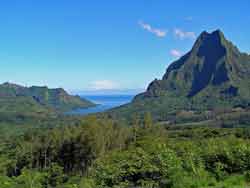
(212, 76)
(16, 100)
(188, 130)
(104, 153)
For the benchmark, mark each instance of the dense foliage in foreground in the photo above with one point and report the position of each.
(103, 153)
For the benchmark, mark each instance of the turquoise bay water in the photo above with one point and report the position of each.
(105, 102)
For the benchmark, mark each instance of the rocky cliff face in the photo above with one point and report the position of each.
(213, 62)
(213, 74)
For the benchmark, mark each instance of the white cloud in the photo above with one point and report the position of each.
(156, 31)
(103, 85)
(184, 34)
(176, 53)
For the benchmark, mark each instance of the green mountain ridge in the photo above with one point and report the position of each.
(214, 74)
(16, 99)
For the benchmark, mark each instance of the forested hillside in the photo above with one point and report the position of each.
(213, 76)
(104, 153)
(19, 103)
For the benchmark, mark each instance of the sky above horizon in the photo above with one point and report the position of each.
(110, 45)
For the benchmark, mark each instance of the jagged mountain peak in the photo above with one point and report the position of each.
(210, 41)
(214, 74)
(212, 45)
(215, 34)
(212, 61)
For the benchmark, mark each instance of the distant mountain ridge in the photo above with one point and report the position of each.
(56, 99)
(213, 74)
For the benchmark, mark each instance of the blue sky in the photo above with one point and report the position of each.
(107, 44)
